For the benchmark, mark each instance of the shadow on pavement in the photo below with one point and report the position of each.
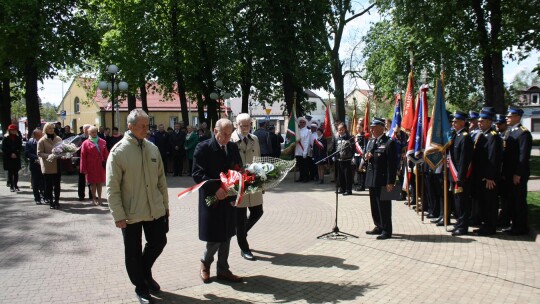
(300, 260)
(433, 238)
(312, 292)
(168, 297)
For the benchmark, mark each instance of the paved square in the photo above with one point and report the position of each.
(75, 255)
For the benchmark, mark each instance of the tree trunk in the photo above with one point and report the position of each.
(183, 99)
(132, 102)
(144, 98)
(5, 104)
(339, 94)
(246, 88)
(31, 95)
(200, 108)
(485, 51)
(496, 56)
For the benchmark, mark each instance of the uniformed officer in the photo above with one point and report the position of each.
(504, 215)
(516, 169)
(381, 172)
(473, 124)
(459, 163)
(487, 173)
(478, 153)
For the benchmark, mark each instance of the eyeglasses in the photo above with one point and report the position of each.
(244, 126)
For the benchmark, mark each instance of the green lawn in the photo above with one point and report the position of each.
(535, 165)
(533, 198)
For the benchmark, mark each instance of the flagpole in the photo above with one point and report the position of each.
(445, 183)
(297, 135)
(416, 169)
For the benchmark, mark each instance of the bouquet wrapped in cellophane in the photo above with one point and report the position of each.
(263, 174)
(64, 149)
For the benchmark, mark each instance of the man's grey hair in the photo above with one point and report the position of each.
(222, 123)
(85, 127)
(91, 128)
(134, 115)
(243, 117)
(36, 130)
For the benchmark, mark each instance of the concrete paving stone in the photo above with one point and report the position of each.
(80, 247)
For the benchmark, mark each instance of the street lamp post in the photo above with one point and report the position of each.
(104, 85)
(220, 96)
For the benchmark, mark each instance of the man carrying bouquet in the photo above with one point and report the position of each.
(248, 144)
(217, 223)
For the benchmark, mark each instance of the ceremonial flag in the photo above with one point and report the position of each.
(366, 120)
(409, 110)
(329, 128)
(417, 140)
(396, 121)
(439, 133)
(292, 130)
(354, 122)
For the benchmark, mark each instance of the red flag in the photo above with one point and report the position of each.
(366, 120)
(409, 111)
(328, 122)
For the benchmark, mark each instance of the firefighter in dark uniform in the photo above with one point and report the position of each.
(516, 170)
(460, 158)
(487, 173)
(474, 132)
(381, 172)
(503, 220)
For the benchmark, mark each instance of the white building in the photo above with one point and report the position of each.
(275, 113)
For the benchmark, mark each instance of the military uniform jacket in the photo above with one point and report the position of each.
(381, 168)
(461, 154)
(487, 163)
(517, 152)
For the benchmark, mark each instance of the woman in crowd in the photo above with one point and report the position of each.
(191, 142)
(319, 152)
(49, 165)
(94, 155)
(11, 148)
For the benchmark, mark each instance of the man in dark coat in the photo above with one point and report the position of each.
(264, 139)
(163, 144)
(217, 223)
(276, 141)
(461, 153)
(487, 173)
(516, 170)
(177, 140)
(30, 151)
(381, 172)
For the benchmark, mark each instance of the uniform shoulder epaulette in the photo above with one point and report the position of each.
(465, 133)
(524, 129)
(493, 132)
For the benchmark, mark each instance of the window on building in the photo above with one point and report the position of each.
(151, 120)
(172, 121)
(535, 99)
(76, 105)
(535, 125)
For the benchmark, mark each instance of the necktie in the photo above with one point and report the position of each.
(224, 150)
(245, 140)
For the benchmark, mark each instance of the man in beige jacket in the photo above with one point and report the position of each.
(248, 145)
(138, 199)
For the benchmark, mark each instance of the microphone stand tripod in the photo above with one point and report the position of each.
(335, 234)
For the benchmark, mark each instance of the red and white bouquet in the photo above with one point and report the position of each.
(264, 173)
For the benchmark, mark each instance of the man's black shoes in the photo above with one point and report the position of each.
(384, 236)
(246, 254)
(144, 298)
(374, 231)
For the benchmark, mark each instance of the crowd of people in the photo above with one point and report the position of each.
(488, 170)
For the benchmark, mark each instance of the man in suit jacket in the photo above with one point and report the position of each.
(381, 172)
(30, 151)
(516, 170)
(217, 223)
(461, 154)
